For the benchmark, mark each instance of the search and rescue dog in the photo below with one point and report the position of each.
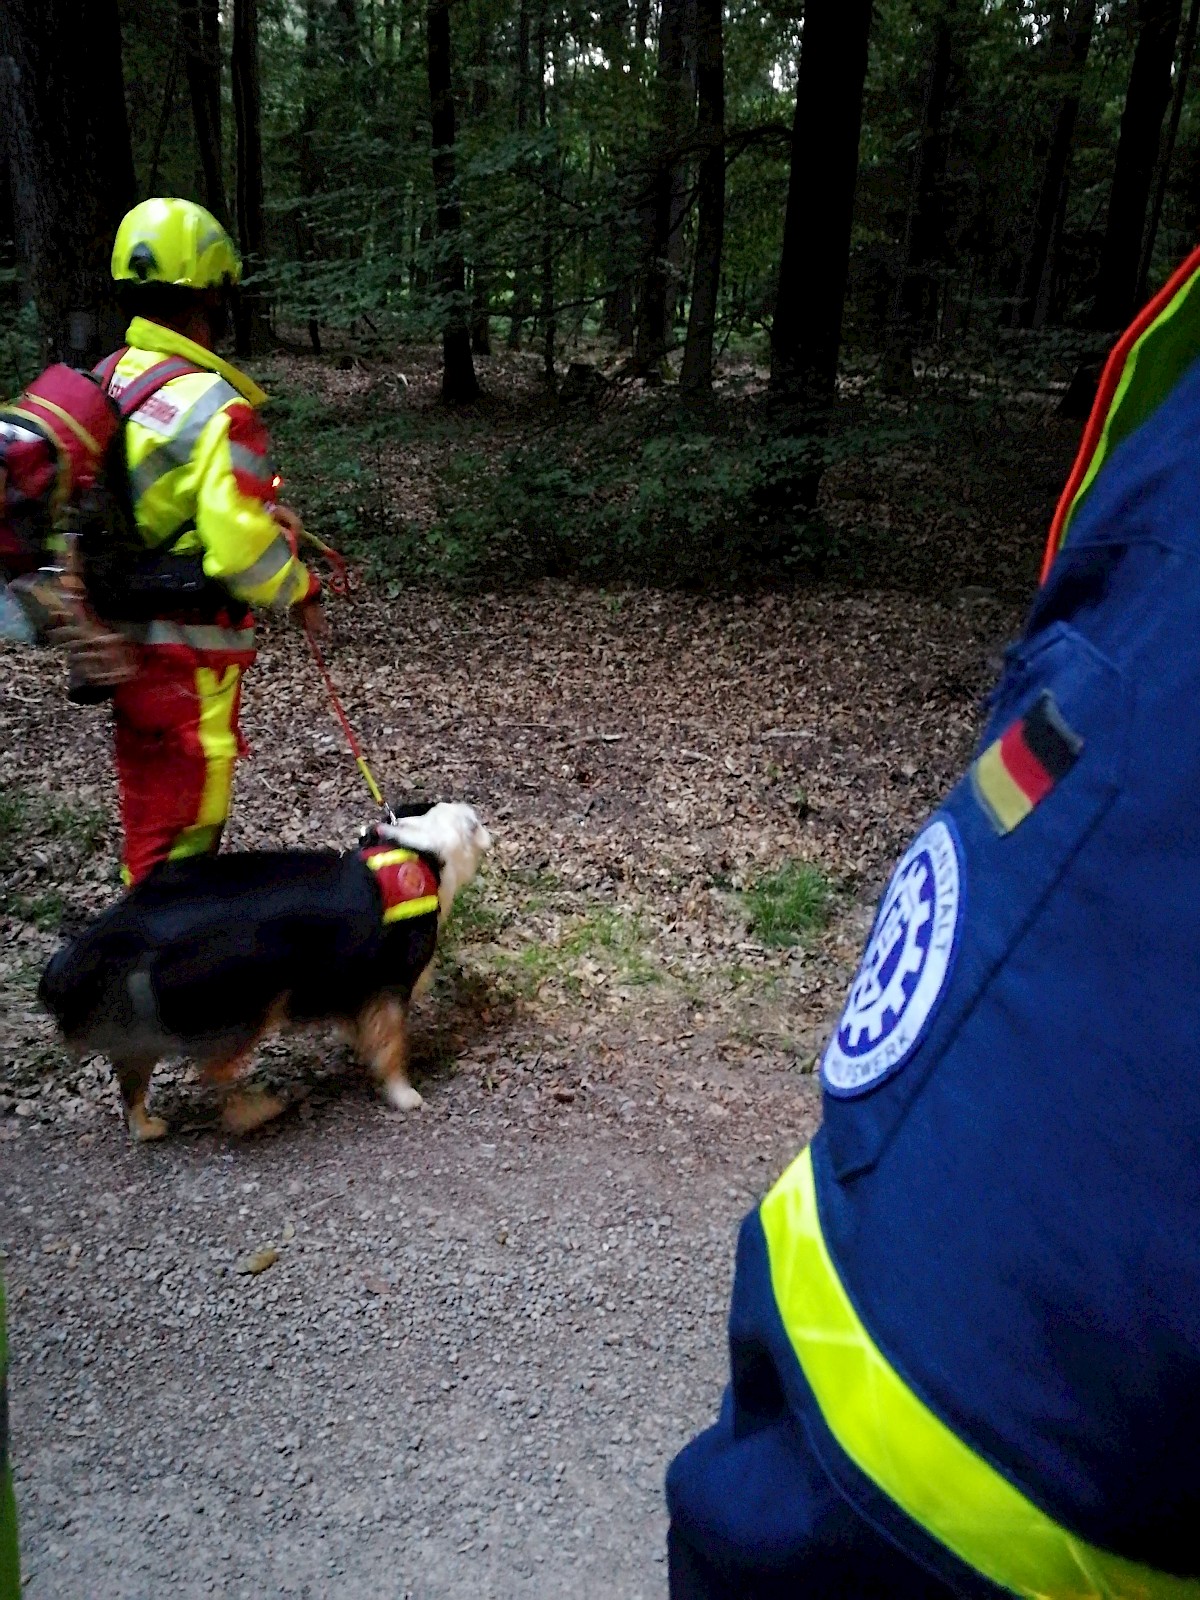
(209, 954)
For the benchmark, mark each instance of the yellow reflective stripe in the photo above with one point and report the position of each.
(219, 743)
(390, 858)
(65, 417)
(1107, 442)
(909, 1453)
(198, 841)
(411, 908)
(142, 334)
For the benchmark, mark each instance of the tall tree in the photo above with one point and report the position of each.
(914, 301)
(306, 233)
(522, 307)
(696, 373)
(671, 90)
(815, 264)
(458, 368)
(481, 282)
(1133, 171)
(1069, 45)
(247, 115)
(1187, 50)
(200, 32)
(71, 162)
(550, 178)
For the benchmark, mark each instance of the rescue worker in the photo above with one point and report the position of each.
(965, 1327)
(203, 489)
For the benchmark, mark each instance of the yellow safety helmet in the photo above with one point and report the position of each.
(175, 242)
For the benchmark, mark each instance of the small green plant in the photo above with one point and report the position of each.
(475, 919)
(789, 905)
(12, 822)
(45, 910)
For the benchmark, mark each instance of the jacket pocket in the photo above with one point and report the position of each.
(945, 927)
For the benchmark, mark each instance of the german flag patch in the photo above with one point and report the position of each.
(1018, 771)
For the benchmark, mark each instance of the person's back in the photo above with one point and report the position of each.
(966, 1323)
(202, 488)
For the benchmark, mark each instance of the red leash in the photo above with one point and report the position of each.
(355, 748)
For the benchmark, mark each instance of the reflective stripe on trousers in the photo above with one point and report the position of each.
(893, 1437)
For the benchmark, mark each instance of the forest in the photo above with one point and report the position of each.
(645, 245)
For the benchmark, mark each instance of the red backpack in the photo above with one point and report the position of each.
(64, 498)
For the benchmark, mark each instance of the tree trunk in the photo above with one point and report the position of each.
(164, 116)
(1141, 124)
(914, 303)
(806, 333)
(1186, 52)
(671, 93)
(546, 310)
(71, 164)
(696, 374)
(1037, 276)
(481, 278)
(200, 31)
(252, 329)
(306, 232)
(458, 369)
(522, 305)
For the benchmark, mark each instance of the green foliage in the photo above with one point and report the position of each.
(19, 354)
(788, 906)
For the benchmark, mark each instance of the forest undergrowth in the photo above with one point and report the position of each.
(614, 480)
(696, 787)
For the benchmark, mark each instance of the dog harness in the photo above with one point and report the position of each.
(407, 885)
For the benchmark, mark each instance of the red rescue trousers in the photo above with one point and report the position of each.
(177, 739)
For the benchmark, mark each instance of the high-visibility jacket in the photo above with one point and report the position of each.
(201, 475)
(978, 1289)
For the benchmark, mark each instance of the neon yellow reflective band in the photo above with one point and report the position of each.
(406, 908)
(1153, 367)
(411, 908)
(390, 858)
(909, 1453)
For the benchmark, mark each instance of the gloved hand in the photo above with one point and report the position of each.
(310, 614)
(290, 523)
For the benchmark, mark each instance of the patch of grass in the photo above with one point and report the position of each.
(475, 919)
(12, 822)
(68, 831)
(609, 939)
(788, 906)
(45, 911)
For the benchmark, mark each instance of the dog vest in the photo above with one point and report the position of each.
(407, 885)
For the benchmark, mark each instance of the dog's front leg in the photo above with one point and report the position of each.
(133, 1079)
(383, 1044)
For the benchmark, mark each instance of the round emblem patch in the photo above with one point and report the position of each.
(905, 968)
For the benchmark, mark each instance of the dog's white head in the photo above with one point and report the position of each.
(451, 833)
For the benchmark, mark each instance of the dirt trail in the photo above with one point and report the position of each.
(489, 1325)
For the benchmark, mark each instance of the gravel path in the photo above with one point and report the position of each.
(486, 1331)
(487, 1327)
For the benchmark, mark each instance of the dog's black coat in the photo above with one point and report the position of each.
(201, 952)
